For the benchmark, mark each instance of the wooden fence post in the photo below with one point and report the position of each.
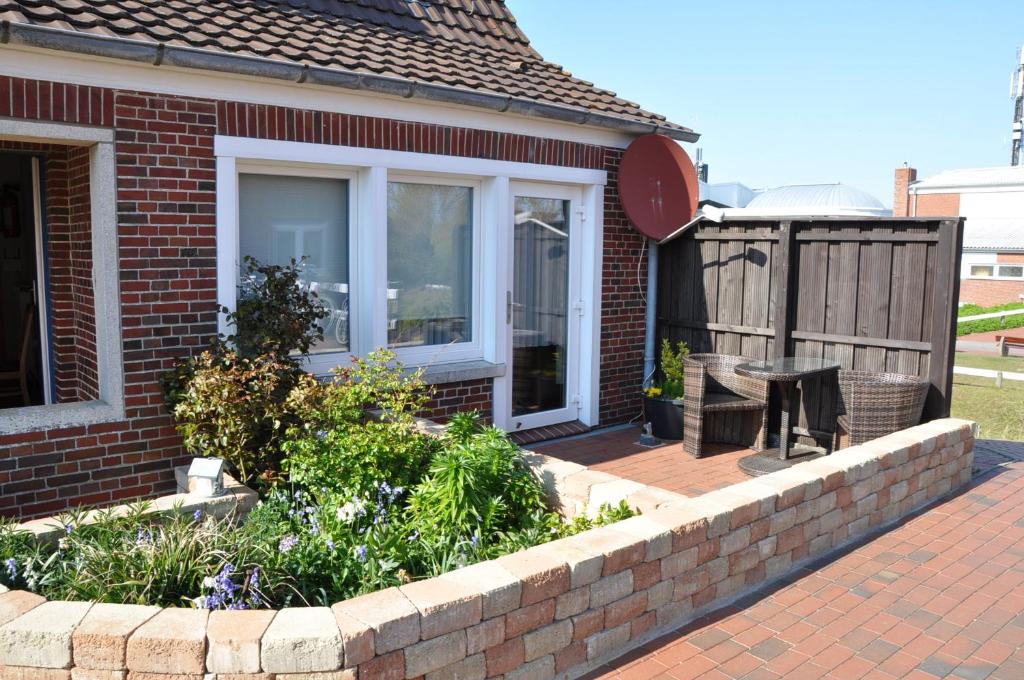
(944, 313)
(785, 257)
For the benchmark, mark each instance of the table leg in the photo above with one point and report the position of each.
(785, 402)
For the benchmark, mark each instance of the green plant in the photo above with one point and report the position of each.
(236, 408)
(335, 446)
(275, 314)
(989, 325)
(671, 385)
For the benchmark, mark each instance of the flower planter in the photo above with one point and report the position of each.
(665, 417)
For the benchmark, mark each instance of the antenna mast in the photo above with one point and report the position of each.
(1017, 94)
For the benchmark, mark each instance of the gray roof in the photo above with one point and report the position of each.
(1006, 175)
(469, 52)
(1000, 234)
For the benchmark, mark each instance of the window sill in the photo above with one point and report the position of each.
(57, 416)
(461, 371)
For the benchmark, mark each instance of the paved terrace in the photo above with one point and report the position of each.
(941, 595)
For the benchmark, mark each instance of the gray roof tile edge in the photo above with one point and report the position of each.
(155, 54)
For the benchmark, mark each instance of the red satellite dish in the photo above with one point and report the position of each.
(658, 186)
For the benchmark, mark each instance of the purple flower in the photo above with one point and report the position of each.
(68, 528)
(143, 536)
(197, 516)
(414, 536)
(287, 543)
(330, 545)
(361, 553)
(475, 540)
(12, 567)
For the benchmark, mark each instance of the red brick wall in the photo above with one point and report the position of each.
(988, 293)
(471, 395)
(167, 250)
(901, 189)
(935, 205)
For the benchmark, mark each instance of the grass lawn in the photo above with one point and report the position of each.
(993, 363)
(999, 411)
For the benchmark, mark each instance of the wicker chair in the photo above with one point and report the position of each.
(712, 387)
(873, 405)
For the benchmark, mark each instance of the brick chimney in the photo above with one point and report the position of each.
(901, 192)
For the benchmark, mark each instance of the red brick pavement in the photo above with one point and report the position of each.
(941, 595)
(667, 466)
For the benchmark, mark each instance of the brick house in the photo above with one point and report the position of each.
(455, 195)
(992, 201)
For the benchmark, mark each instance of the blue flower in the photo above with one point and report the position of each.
(68, 528)
(143, 536)
(330, 545)
(361, 553)
(287, 543)
(475, 540)
(197, 516)
(11, 565)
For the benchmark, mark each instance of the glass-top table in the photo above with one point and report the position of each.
(784, 373)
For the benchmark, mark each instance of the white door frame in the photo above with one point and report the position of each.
(576, 310)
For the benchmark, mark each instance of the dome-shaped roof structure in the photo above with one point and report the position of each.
(816, 199)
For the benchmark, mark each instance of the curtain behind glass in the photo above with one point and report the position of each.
(284, 217)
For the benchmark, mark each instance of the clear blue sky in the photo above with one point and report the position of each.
(803, 92)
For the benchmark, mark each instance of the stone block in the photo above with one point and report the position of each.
(30, 673)
(621, 551)
(577, 486)
(538, 669)
(500, 591)
(650, 498)
(505, 657)
(673, 612)
(777, 565)
(588, 623)
(79, 673)
(689, 526)
(101, 640)
(444, 605)
(626, 609)
(678, 562)
(357, 638)
(656, 537)
(394, 619)
(302, 640)
(340, 674)
(611, 493)
(483, 636)
(572, 603)
(435, 653)
(547, 640)
(543, 573)
(659, 594)
(529, 618)
(14, 603)
(717, 512)
(41, 637)
(734, 541)
(608, 642)
(573, 655)
(174, 638)
(744, 560)
(233, 640)
(585, 563)
(611, 588)
(646, 575)
(471, 668)
(390, 666)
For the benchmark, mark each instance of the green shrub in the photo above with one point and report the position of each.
(236, 408)
(989, 325)
(672, 371)
(335, 447)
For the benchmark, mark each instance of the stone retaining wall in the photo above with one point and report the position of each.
(554, 610)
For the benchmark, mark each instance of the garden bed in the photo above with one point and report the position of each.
(555, 609)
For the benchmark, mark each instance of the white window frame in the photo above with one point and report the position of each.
(997, 268)
(322, 361)
(427, 355)
(372, 169)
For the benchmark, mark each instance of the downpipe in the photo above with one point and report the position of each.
(651, 317)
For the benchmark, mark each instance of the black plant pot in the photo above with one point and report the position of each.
(665, 417)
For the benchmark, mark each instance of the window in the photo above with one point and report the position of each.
(429, 264)
(282, 218)
(982, 270)
(1000, 271)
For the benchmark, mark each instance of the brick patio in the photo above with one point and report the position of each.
(667, 466)
(941, 595)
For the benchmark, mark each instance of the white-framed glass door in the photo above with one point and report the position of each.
(544, 307)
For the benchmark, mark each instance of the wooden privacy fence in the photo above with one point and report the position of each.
(877, 294)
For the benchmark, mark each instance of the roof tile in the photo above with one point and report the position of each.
(473, 44)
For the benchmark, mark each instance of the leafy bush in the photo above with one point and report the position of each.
(671, 386)
(989, 325)
(335, 447)
(230, 402)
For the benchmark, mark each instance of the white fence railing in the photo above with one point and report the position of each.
(990, 315)
(998, 376)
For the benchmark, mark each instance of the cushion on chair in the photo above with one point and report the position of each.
(716, 401)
